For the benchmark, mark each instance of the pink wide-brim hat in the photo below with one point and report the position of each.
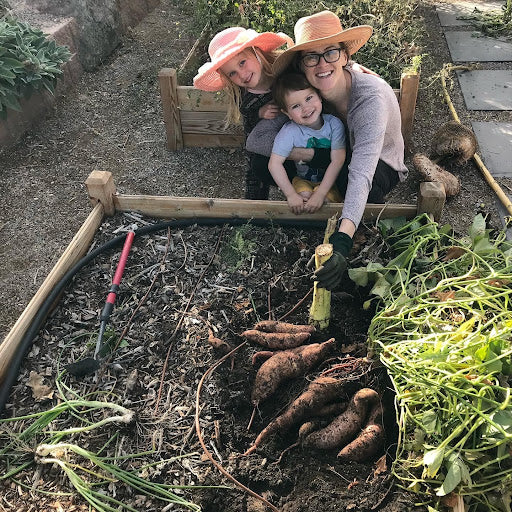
(228, 43)
(319, 30)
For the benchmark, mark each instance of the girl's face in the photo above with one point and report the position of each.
(324, 76)
(244, 70)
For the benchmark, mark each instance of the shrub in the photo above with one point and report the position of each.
(28, 62)
(390, 49)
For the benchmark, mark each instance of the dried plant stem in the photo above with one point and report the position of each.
(178, 325)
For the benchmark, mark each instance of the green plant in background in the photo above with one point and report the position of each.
(391, 47)
(238, 248)
(28, 62)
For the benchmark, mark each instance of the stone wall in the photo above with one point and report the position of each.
(92, 29)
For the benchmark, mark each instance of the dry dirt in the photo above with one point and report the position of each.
(112, 121)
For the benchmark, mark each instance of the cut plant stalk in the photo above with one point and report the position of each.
(320, 311)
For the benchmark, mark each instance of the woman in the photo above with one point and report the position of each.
(368, 107)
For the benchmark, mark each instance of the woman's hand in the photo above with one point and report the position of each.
(315, 202)
(269, 111)
(295, 202)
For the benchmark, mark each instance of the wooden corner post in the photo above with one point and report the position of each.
(172, 119)
(101, 189)
(431, 199)
(409, 84)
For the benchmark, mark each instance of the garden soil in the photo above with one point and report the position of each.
(199, 281)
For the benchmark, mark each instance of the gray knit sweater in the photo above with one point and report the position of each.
(374, 128)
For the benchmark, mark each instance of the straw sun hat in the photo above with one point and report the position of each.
(228, 43)
(321, 29)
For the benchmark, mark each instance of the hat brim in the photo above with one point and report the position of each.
(208, 77)
(354, 38)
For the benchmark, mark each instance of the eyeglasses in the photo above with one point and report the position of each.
(312, 59)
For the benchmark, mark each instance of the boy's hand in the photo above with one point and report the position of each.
(269, 111)
(296, 203)
(315, 202)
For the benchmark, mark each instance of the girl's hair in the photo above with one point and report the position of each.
(234, 93)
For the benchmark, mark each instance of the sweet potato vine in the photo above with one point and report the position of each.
(443, 329)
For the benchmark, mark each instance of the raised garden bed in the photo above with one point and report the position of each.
(198, 281)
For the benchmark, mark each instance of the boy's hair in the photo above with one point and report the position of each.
(233, 92)
(289, 82)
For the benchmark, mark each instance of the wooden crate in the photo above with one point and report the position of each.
(195, 118)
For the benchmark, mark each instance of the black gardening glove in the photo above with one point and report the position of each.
(330, 273)
(321, 159)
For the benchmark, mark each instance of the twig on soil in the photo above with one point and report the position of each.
(200, 437)
(296, 305)
(385, 497)
(180, 321)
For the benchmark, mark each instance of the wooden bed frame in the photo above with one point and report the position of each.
(195, 118)
(107, 202)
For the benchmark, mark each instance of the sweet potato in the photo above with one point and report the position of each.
(430, 171)
(312, 401)
(275, 326)
(365, 445)
(345, 426)
(277, 340)
(286, 365)
(369, 441)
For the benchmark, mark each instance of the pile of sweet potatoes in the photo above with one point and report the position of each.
(323, 419)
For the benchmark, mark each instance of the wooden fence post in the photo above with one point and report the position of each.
(169, 96)
(409, 84)
(431, 199)
(101, 189)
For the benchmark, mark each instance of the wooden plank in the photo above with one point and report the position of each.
(212, 141)
(207, 123)
(192, 99)
(101, 189)
(431, 199)
(170, 106)
(409, 84)
(73, 253)
(200, 207)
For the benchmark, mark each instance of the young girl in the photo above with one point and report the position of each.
(241, 64)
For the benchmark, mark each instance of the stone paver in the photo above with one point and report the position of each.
(449, 14)
(464, 47)
(495, 142)
(486, 89)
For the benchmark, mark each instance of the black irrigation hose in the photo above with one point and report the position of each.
(37, 322)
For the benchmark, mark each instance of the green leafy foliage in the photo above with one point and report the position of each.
(390, 49)
(28, 62)
(443, 330)
(238, 248)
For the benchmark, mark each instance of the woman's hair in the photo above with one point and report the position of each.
(233, 91)
(289, 82)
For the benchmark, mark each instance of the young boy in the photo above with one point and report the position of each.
(307, 127)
